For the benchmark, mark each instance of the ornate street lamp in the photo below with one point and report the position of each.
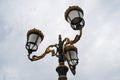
(74, 15)
(71, 55)
(66, 51)
(34, 38)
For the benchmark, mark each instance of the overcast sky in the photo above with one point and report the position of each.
(99, 48)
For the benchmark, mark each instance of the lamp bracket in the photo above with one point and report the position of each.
(76, 39)
(71, 42)
(47, 51)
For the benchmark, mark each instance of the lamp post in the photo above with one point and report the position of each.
(66, 51)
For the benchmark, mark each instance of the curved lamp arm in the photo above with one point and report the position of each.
(76, 39)
(71, 42)
(47, 51)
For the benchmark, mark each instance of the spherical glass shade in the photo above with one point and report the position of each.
(34, 38)
(74, 15)
(72, 55)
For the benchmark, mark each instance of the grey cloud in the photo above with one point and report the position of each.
(5, 30)
(98, 47)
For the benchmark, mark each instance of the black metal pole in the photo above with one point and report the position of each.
(60, 50)
(61, 69)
